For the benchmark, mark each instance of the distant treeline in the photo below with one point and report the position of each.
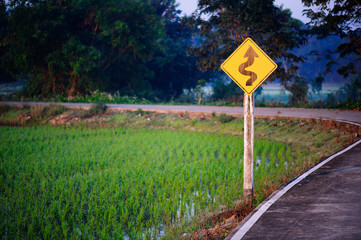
(69, 48)
(144, 48)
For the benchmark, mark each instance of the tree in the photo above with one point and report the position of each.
(316, 84)
(173, 68)
(298, 88)
(5, 69)
(198, 89)
(353, 89)
(224, 25)
(230, 92)
(341, 18)
(74, 47)
(136, 47)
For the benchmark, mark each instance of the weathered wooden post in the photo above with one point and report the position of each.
(249, 67)
(248, 106)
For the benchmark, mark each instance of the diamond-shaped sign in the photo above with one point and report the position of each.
(248, 66)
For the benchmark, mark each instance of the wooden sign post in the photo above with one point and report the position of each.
(248, 66)
(248, 106)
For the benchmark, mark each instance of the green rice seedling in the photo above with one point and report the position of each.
(116, 183)
(281, 158)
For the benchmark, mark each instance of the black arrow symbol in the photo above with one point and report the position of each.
(250, 54)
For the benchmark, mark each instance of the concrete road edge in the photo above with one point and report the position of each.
(252, 218)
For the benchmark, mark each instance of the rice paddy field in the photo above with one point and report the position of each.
(121, 183)
(97, 174)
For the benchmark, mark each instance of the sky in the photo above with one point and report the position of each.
(296, 6)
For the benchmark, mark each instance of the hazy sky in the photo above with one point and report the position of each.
(188, 6)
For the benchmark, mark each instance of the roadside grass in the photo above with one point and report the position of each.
(307, 142)
(20, 116)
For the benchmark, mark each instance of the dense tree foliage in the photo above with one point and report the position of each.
(139, 47)
(4, 66)
(173, 68)
(224, 25)
(71, 47)
(341, 18)
(74, 47)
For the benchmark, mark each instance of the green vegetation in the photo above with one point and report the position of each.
(140, 175)
(224, 118)
(111, 183)
(29, 114)
(97, 97)
(145, 51)
(98, 108)
(67, 49)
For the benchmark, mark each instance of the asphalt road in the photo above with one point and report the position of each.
(345, 116)
(322, 204)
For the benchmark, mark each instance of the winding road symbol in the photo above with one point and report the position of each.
(251, 55)
(248, 66)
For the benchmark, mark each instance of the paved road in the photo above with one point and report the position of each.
(323, 204)
(348, 116)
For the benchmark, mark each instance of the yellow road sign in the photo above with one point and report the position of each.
(248, 66)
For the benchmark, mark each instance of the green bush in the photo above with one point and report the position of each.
(98, 108)
(139, 111)
(224, 118)
(54, 110)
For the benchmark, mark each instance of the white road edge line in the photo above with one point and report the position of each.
(253, 219)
